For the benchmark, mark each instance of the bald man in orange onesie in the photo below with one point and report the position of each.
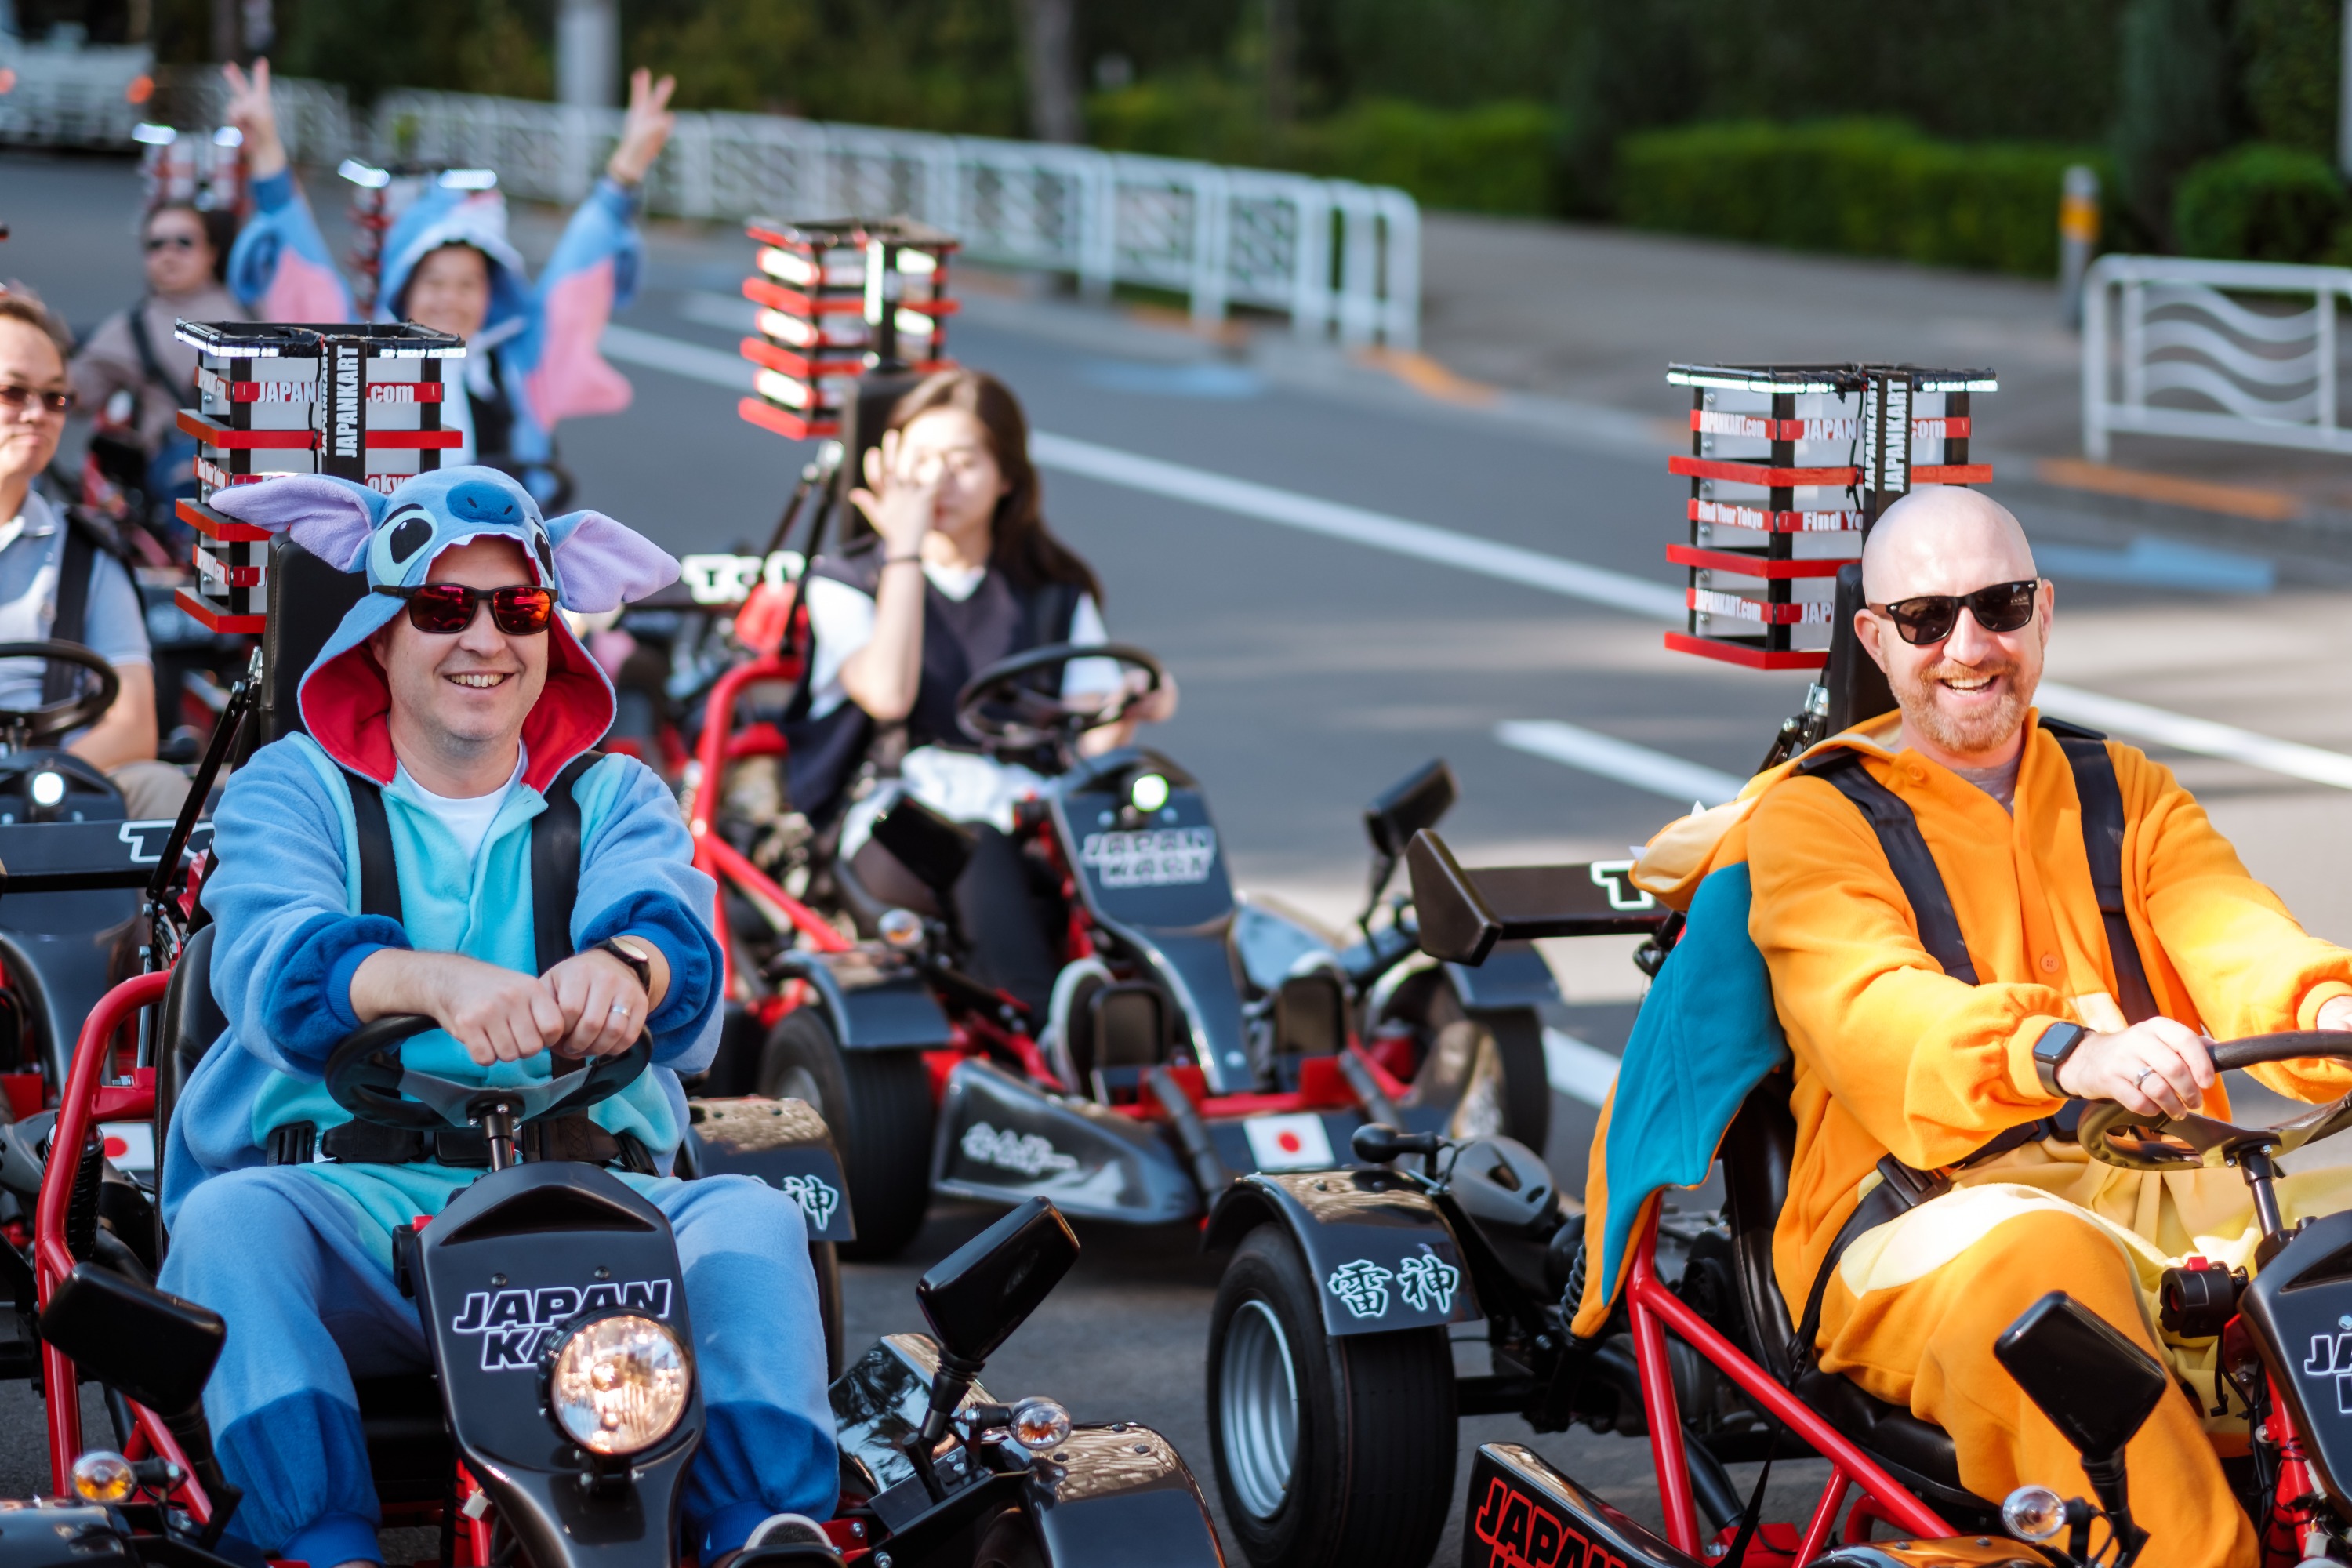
(1895, 1056)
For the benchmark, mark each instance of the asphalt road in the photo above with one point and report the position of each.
(1316, 670)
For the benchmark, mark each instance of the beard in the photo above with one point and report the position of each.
(1968, 733)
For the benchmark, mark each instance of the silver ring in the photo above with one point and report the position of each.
(2143, 1075)
(618, 1010)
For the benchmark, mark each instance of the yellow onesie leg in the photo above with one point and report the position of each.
(1912, 1315)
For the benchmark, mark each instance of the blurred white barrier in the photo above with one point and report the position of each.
(73, 95)
(2228, 370)
(1335, 256)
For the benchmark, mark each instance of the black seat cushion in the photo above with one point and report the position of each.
(190, 1023)
(1758, 1152)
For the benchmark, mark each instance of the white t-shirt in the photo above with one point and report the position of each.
(841, 621)
(467, 817)
(964, 786)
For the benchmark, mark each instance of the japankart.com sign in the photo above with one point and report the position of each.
(1151, 858)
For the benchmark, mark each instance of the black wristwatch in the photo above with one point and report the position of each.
(2050, 1051)
(632, 951)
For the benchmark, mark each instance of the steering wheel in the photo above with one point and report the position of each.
(2141, 1140)
(67, 714)
(367, 1078)
(1000, 710)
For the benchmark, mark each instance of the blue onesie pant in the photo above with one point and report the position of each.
(279, 1253)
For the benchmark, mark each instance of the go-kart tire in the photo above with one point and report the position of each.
(1328, 1452)
(1509, 1091)
(1010, 1542)
(824, 1260)
(1525, 1086)
(878, 1105)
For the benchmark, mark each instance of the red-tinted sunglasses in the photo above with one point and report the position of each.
(444, 609)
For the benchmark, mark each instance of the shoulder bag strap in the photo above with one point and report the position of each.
(150, 362)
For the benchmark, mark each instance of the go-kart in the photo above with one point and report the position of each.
(1332, 1397)
(584, 1462)
(1191, 1034)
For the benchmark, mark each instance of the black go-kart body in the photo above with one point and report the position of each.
(934, 1472)
(1195, 1034)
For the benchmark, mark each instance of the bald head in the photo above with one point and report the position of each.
(1964, 696)
(1942, 538)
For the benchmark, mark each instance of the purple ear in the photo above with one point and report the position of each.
(604, 565)
(329, 516)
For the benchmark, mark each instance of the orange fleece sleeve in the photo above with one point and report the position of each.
(2246, 966)
(1930, 1066)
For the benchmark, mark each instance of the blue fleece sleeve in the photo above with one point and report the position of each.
(605, 225)
(281, 230)
(637, 874)
(288, 942)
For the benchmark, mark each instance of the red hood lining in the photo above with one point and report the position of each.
(348, 693)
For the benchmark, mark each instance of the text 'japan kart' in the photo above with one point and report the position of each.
(1333, 1398)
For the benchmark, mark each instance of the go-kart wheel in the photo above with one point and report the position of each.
(1011, 1542)
(1328, 1452)
(878, 1107)
(824, 1259)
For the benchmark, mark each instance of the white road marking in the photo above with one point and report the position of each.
(1357, 525)
(679, 357)
(2202, 736)
(1578, 1071)
(1620, 760)
(1509, 562)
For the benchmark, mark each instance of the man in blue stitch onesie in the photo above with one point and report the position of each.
(455, 693)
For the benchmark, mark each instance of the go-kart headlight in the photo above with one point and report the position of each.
(2033, 1513)
(1148, 794)
(105, 1478)
(1041, 1424)
(48, 789)
(619, 1384)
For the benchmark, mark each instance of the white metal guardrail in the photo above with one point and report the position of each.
(72, 95)
(1335, 256)
(2261, 370)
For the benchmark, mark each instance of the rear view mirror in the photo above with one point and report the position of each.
(978, 1294)
(156, 1348)
(1417, 801)
(2095, 1386)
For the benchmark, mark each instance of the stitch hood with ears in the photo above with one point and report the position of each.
(445, 217)
(593, 562)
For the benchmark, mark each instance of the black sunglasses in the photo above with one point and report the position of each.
(172, 242)
(1930, 617)
(13, 396)
(444, 609)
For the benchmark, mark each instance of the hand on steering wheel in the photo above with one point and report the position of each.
(2115, 1133)
(2156, 1066)
(1003, 708)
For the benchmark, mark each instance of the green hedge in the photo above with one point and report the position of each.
(1863, 187)
(2262, 203)
(1497, 157)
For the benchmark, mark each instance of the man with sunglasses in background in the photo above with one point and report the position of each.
(1937, 1192)
(448, 715)
(37, 567)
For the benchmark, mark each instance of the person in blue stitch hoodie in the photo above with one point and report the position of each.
(448, 265)
(455, 691)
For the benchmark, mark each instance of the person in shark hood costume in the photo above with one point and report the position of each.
(533, 356)
(291, 1243)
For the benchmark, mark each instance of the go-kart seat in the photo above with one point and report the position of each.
(190, 1021)
(1756, 1154)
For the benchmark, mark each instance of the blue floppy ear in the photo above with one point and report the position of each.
(604, 565)
(329, 516)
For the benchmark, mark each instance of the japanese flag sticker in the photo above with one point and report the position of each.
(130, 1144)
(1293, 1142)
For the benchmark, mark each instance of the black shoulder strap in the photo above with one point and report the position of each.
(149, 361)
(76, 555)
(1053, 609)
(2102, 800)
(555, 864)
(379, 870)
(1906, 856)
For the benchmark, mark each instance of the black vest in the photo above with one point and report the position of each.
(961, 639)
